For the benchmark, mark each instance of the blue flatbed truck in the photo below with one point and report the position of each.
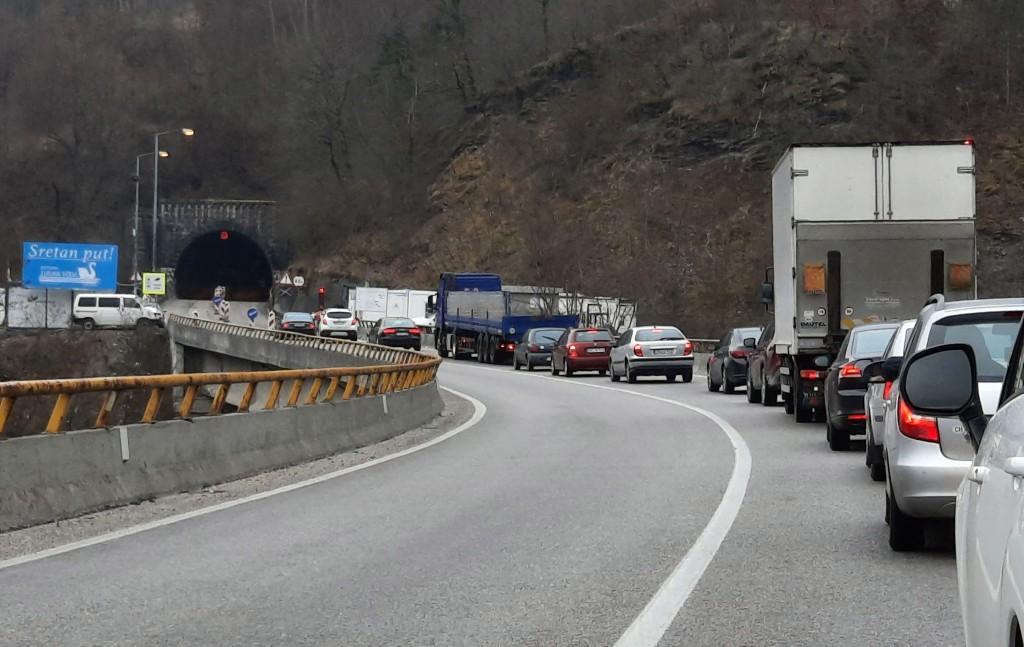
(475, 316)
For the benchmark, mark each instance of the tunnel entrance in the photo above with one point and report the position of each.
(225, 258)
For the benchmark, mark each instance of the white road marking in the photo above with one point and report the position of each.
(655, 619)
(479, 411)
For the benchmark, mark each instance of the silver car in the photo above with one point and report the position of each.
(875, 401)
(926, 458)
(651, 350)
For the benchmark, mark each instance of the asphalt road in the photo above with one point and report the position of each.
(553, 521)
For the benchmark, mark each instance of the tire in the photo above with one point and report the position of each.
(611, 373)
(529, 364)
(878, 472)
(554, 371)
(838, 441)
(803, 414)
(630, 375)
(753, 395)
(905, 532)
(712, 387)
(671, 377)
(492, 350)
(515, 362)
(769, 396)
(566, 369)
(481, 350)
(88, 324)
(688, 376)
(727, 386)
(602, 372)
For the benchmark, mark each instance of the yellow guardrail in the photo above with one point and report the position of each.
(399, 370)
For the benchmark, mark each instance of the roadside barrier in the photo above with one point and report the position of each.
(397, 370)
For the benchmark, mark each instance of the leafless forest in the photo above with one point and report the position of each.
(607, 145)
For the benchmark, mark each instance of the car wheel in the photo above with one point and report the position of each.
(630, 375)
(554, 371)
(905, 532)
(768, 394)
(88, 324)
(566, 368)
(612, 373)
(602, 373)
(711, 383)
(727, 386)
(753, 395)
(671, 377)
(838, 441)
(529, 363)
(515, 362)
(877, 472)
(688, 376)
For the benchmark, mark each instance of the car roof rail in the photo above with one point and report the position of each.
(936, 300)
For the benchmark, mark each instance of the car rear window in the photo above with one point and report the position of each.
(593, 335)
(740, 334)
(339, 314)
(990, 335)
(870, 343)
(397, 322)
(659, 334)
(297, 316)
(898, 345)
(546, 335)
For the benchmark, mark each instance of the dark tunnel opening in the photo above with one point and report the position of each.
(225, 258)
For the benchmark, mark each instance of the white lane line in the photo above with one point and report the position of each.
(479, 411)
(655, 619)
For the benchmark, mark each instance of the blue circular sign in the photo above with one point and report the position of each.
(252, 314)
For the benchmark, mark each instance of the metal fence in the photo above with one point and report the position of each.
(399, 370)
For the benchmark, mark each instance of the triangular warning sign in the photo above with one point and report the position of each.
(285, 279)
(137, 277)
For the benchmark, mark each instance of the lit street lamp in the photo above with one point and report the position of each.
(137, 178)
(186, 132)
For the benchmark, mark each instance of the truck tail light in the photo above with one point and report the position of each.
(850, 370)
(917, 427)
(809, 374)
(887, 390)
(738, 353)
(638, 350)
(688, 348)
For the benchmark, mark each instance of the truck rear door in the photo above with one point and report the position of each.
(928, 181)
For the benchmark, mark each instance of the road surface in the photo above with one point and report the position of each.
(552, 521)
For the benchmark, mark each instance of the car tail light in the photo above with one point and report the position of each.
(915, 426)
(850, 370)
(738, 353)
(857, 416)
(355, 322)
(688, 348)
(638, 350)
(534, 348)
(388, 331)
(809, 374)
(572, 350)
(414, 331)
(887, 390)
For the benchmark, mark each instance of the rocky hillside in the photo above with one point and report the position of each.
(640, 165)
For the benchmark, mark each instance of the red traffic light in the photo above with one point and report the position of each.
(224, 235)
(322, 291)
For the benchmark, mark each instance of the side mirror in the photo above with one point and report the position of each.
(891, 367)
(943, 381)
(431, 308)
(873, 373)
(822, 361)
(767, 293)
(750, 342)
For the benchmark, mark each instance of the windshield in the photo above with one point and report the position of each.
(339, 314)
(546, 335)
(991, 335)
(659, 334)
(593, 335)
(871, 342)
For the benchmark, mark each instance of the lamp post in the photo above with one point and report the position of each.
(186, 132)
(137, 178)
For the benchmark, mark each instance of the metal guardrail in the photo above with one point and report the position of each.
(400, 370)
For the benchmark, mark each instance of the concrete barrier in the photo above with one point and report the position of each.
(51, 477)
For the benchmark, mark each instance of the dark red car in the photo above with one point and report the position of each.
(582, 349)
(763, 377)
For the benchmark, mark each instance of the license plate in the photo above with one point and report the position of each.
(662, 351)
(547, 359)
(595, 350)
(403, 334)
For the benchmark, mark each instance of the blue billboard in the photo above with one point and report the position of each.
(69, 266)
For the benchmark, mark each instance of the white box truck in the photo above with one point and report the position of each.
(861, 234)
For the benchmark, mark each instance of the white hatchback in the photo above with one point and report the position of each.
(337, 322)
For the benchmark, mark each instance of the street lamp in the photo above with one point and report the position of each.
(137, 178)
(185, 132)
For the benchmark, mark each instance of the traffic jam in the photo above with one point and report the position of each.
(874, 329)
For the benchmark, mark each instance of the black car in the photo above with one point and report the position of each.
(727, 366)
(300, 322)
(534, 349)
(845, 383)
(397, 332)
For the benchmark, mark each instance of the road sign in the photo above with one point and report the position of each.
(285, 279)
(299, 281)
(252, 313)
(154, 283)
(69, 266)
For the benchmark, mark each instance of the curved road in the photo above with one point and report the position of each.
(552, 521)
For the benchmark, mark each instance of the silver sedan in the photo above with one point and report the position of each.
(652, 350)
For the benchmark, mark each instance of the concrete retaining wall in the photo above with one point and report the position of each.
(44, 478)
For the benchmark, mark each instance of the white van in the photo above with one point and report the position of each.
(114, 311)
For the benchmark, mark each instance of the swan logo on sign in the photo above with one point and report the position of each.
(69, 266)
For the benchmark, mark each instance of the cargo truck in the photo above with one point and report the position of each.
(860, 234)
(476, 316)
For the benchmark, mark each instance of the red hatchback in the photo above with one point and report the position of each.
(582, 349)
